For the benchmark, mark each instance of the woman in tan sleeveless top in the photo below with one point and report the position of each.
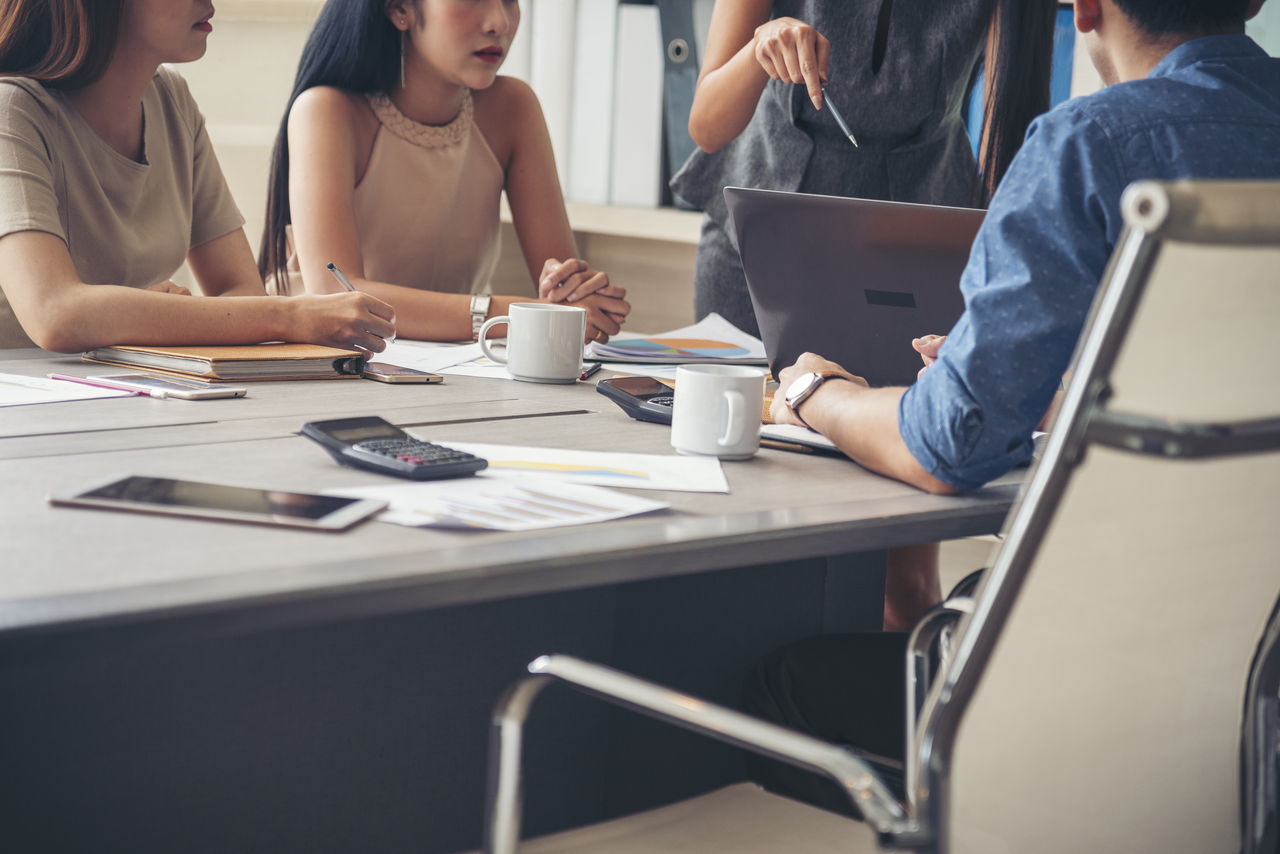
(399, 141)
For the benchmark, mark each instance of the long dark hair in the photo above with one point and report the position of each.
(65, 44)
(1018, 89)
(352, 47)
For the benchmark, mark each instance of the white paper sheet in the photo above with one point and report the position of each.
(429, 356)
(627, 471)
(17, 390)
(501, 505)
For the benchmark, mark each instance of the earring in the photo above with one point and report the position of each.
(402, 41)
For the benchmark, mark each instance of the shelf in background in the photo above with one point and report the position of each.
(666, 224)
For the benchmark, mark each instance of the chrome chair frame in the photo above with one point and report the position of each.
(1260, 747)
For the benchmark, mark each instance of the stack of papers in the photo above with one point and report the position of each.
(501, 505)
(713, 339)
(600, 468)
(528, 489)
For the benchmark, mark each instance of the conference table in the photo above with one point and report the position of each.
(181, 684)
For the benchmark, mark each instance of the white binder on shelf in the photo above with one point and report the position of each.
(591, 132)
(551, 69)
(636, 168)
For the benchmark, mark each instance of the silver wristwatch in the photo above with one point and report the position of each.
(803, 387)
(479, 311)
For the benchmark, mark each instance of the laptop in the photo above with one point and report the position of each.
(853, 280)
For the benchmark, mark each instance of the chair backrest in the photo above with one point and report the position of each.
(1095, 698)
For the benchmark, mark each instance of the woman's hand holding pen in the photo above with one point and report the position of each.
(351, 319)
(794, 52)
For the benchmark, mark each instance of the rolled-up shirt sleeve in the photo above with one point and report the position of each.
(1030, 280)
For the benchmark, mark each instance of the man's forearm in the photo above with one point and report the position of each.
(863, 422)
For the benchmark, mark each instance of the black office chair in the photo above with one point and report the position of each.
(1092, 700)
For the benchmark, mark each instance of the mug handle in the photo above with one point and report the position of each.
(484, 342)
(737, 426)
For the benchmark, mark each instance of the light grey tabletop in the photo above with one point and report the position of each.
(70, 567)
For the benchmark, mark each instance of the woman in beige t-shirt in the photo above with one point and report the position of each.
(398, 143)
(108, 183)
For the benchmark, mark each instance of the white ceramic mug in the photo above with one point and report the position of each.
(544, 342)
(717, 411)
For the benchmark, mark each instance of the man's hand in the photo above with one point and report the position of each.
(927, 346)
(779, 411)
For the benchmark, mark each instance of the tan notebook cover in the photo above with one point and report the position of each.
(238, 363)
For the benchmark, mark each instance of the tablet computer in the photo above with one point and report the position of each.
(171, 497)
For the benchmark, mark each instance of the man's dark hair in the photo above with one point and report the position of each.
(1186, 17)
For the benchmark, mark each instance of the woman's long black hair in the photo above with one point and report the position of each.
(1018, 88)
(352, 47)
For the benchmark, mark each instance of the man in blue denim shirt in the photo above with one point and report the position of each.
(1189, 96)
(1193, 97)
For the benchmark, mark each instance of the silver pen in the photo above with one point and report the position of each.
(835, 114)
(346, 283)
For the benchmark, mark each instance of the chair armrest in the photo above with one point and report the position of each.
(865, 790)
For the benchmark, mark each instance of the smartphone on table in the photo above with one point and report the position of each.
(154, 385)
(383, 373)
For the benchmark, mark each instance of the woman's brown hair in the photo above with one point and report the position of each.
(65, 44)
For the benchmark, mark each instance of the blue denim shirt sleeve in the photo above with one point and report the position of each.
(1028, 287)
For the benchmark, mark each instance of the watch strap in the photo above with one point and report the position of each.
(822, 377)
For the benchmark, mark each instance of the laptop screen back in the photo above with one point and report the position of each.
(853, 280)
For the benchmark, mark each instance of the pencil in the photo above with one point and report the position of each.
(835, 114)
(785, 446)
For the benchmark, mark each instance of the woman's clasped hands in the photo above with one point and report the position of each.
(574, 282)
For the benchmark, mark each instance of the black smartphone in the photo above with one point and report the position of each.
(382, 373)
(643, 398)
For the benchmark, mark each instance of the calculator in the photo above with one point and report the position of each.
(371, 443)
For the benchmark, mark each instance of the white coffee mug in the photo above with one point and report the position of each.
(544, 342)
(717, 411)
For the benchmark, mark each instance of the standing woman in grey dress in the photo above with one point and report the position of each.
(898, 73)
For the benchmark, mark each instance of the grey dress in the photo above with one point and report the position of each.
(907, 118)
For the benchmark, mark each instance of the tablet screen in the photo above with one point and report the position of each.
(221, 501)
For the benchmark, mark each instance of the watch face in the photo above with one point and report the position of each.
(801, 387)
